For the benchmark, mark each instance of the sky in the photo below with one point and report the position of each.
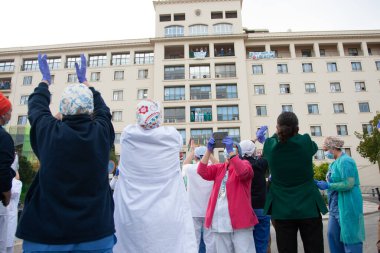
(45, 22)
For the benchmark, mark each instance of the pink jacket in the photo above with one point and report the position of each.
(238, 186)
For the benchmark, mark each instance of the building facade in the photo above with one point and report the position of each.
(209, 75)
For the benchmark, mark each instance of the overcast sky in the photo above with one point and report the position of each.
(43, 22)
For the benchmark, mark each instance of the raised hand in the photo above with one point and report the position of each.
(44, 68)
(81, 72)
(260, 134)
(322, 185)
(229, 144)
(211, 144)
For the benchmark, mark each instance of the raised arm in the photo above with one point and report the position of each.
(205, 171)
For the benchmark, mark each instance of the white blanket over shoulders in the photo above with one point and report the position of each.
(152, 212)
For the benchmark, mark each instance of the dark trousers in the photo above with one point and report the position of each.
(311, 231)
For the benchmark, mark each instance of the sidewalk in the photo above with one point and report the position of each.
(368, 208)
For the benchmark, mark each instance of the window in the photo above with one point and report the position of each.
(30, 65)
(97, 60)
(257, 69)
(364, 107)
(95, 76)
(312, 109)
(307, 67)
(5, 84)
(200, 92)
(223, 28)
(216, 15)
(282, 68)
(117, 95)
(7, 66)
(335, 87)
(360, 86)
(197, 72)
(315, 131)
(117, 138)
(174, 31)
(261, 110)
(306, 52)
(144, 58)
(377, 65)
(234, 133)
(24, 100)
(331, 67)
(52, 79)
(226, 113)
(310, 88)
(322, 52)
(117, 116)
(226, 91)
(71, 60)
(72, 78)
(201, 136)
(142, 93)
(367, 128)
(341, 130)
(356, 66)
(285, 88)
(174, 72)
(54, 63)
(347, 151)
(259, 89)
(195, 30)
(174, 93)
(118, 75)
(22, 120)
(182, 132)
(225, 70)
(200, 114)
(174, 115)
(165, 18)
(27, 80)
(142, 74)
(179, 16)
(338, 108)
(353, 52)
(287, 108)
(231, 14)
(320, 155)
(120, 59)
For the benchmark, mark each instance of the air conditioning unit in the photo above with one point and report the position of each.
(205, 76)
(217, 75)
(235, 118)
(193, 77)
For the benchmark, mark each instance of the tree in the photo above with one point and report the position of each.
(320, 171)
(369, 146)
(27, 175)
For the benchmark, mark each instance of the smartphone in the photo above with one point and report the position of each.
(218, 137)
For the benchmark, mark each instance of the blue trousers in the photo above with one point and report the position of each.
(333, 235)
(261, 231)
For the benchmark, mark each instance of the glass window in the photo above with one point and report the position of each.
(226, 91)
(144, 58)
(200, 114)
(72, 78)
(174, 93)
(95, 76)
(24, 100)
(353, 52)
(231, 14)
(287, 108)
(335, 87)
(223, 28)
(307, 67)
(257, 69)
(22, 120)
(225, 70)
(284, 88)
(234, 133)
(322, 52)
(216, 15)
(117, 95)
(174, 72)
(7, 66)
(142, 93)
(142, 74)
(52, 79)
(227, 113)
(332, 67)
(360, 86)
(97, 60)
(259, 89)
(117, 116)
(117, 138)
(261, 110)
(174, 115)
(179, 16)
(356, 66)
(310, 88)
(30, 65)
(306, 52)
(364, 107)
(174, 31)
(347, 151)
(338, 108)
(195, 30)
(377, 65)
(5, 84)
(118, 75)
(315, 131)
(201, 136)
(197, 72)
(367, 128)
(341, 130)
(320, 155)
(27, 80)
(120, 59)
(313, 109)
(165, 17)
(182, 132)
(71, 60)
(282, 68)
(200, 92)
(54, 63)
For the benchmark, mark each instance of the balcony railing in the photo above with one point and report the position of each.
(174, 119)
(222, 95)
(201, 117)
(200, 95)
(224, 74)
(7, 68)
(200, 76)
(174, 76)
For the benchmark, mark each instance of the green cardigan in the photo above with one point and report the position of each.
(292, 193)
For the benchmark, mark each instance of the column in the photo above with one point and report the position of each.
(267, 47)
(292, 50)
(316, 50)
(364, 48)
(340, 49)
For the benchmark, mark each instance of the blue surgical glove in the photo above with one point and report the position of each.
(44, 67)
(260, 134)
(211, 144)
(81, 72)
(229, 144)
(378, 124)
(322, 185)
(117, 172)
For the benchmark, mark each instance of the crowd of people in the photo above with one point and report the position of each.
(158, 207)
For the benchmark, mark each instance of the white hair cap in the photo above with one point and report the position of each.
(248, 148)
(199, 152)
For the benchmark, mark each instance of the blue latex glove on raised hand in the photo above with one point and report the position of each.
(322, 185)
(211, 144)
(117, 172)
(260, 134)
(44, 67)
(81, 72)
(229, 144)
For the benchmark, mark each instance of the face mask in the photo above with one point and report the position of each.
(329, 155)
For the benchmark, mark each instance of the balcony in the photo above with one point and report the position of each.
(200, 114)
(199, 52)
(304, 51)
(174, 72)
(5, 85)
(373, 48)
(174, 52)
(223, 50)
(225, 74)
(353, 49)
(281, 51)
(174, 119)
(328, 50)
(5, 68)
